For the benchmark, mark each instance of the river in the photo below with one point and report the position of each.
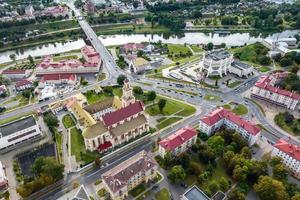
(234, 39)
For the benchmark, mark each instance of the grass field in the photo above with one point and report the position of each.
(177, 48)
(68, 121)
(240, 109)
(196, 49)
(234, 84)
(163, 194)
(264, 69)
(78, 148)
(137, 190)
(210, 97)
(58, 140)
(292, 127)
(167, 122)
(93, 97)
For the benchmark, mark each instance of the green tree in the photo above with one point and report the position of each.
(120, 80)
(296, 197)
(168, 158)
(12, 57)
(108, 90)
(176, 174)
(268, 188)
(161, 104)
(26, 93)
(235, 194)
(279, 172)
(151, 96)
(216, 143)
(210, 46)
(206, 154)
(275, 160)
(30, 58)
(194, 168)
(223, 183)
(138, 90)
(50, 119)
(213, 187)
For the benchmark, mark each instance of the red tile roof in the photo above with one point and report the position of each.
(123, 113)
(23, 82)
(222, 113)
(14, 71)
(290, 149)
(48, 77)
(264, 83)
(178, 138)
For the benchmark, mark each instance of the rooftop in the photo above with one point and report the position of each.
(240, 65)
(123, 113)
(94, 130)
(288, 148)
(178, 138)
(128, 125)
(117, 177)
(18, 125)
(52, 77)
(217, 55)
(194, 193)
(222, 113)
(23, 82)
(99, 106)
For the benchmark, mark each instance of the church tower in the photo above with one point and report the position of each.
(127, 97)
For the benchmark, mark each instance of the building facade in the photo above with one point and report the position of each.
(17, 132)
(266, 90)
(140, 168)
(23, 85)
(178, 142)
(57, 79)
(3, 179)
(16, 73)
(290, 155)
(222, 117)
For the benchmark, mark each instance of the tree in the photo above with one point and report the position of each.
(206, 154)
(275, 160)
(296, 197)
(210, 46)
(223, 183)
(235, 194)
(151, 96)
(12, 57)
(286, 61)
(161, 104)
(194, 168)
(27, 93)
(213, 187)
(176, 174)
(138, 90)
(120, 80)
(50, 119)
(279, 172)
(168, 158)
(108, 90)
(30, 58)
(216, 143)
(268, 188)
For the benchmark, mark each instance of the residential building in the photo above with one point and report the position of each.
(3, 178)
(55, 11)
(81, 194)
(3, 90)
(178, 142)
(16, 73)
(111, 122)
(290, 155)
(57, 79)
(194, 193)
(23, 84)
(216, 62)
(241, 69)
(139, 65)
(131, 48)
(265, 89)
(18, 132)
(91, 64)
(140, 168)
(90, 6)
(48, 92)
(222, 117)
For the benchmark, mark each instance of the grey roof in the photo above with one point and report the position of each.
(240, 65)
(81, 194)
(219, 196)
(194, 193)
(99, 106)
(18, 125)
(217, 55)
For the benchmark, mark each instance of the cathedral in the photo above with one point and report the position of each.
(111, 122)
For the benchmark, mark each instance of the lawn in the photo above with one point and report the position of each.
(196, 49)
(172, 107)
(167, 122)
(264, 69)
(93, 97)
(227, 106)
(22, 101)
(7, 120)
(102, 192)
(137, 190)
(68, 121)
(163, 194)
(65, 57)
(240, 109)
(210, 97)
(234, 84)
(177, 48)
(78, 148)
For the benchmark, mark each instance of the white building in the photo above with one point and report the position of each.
(290, 155)
(241, 69)
(139, 65)
(222, 117)
(216, 62)
(3, 178)
(17, 132)
(178, 142)
(16, 73)
(140, 168)
(266, 90)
